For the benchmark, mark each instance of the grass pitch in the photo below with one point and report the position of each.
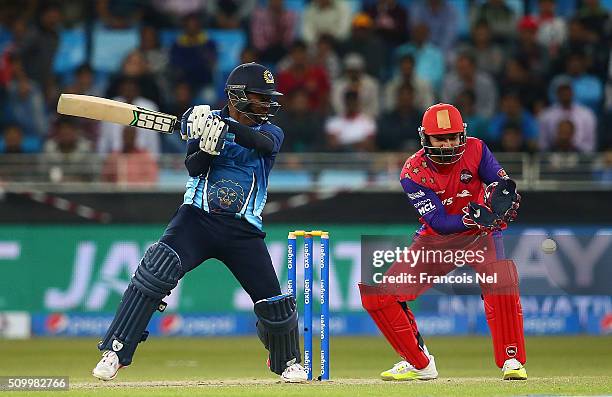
(236, 367)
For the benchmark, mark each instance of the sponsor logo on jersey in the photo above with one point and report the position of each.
(414, 196)
(426, 208)
(465, 176)
(422, 203)
(440, 191)
(464, 193)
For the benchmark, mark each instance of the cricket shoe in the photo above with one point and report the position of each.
(406, 371)
(108, 366)
(513, 370)
(294, 373)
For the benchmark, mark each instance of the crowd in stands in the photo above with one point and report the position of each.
(527, 75)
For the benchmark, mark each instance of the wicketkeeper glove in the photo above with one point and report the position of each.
(503, 199)
(481, 217)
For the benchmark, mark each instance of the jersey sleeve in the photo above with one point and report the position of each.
(430, 208)
(489, 169)
(275, 134)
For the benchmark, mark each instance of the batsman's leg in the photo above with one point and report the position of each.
(249, 261)
(158, 273)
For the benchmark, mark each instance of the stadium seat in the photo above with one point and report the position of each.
(172, 179)
(290, 180)
(110, 47)
(342, 179)
(71, 51)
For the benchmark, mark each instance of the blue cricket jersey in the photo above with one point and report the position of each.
(237, 180)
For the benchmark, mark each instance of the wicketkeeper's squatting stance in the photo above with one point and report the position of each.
(229, 156)
(445, 182)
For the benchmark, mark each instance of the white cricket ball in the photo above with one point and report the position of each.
(549, 246)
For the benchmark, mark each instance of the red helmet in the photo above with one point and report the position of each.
(442, 119)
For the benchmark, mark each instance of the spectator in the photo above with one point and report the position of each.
(14, 141)
(301, 74)
(441, 19)
(325, 56)
(84, 82)
(552, 29)
(25, 103)
(512, 112)
(193, 56)
(119, 14)
(273, 30)
(38, 46)
(587, 88)
(595, 18)
(155, 56)
(182, 99)
(390, 21)
(303, 127)
(477, 125)
(355, 80)
(582, 117)
(135, 67)
(397, 129)
(364, 41)
(352, 130)
(67, 144)
(429, 60)
(580, 39)
(512, 140)
(467, 77)
(110, 140)
(249, 54)
(500, 17)
(490, 57)
(130, 165)
(528, 49)
(169, 13)
(531, 89)
(229, 14)
(67, 153)
(332, 17)
(422, 92)
(564, 138)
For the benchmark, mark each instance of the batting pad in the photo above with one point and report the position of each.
(277, 327)
(158, 273)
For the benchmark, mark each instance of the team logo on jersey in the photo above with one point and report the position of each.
(466, 176)
(502, 174)
(226, 194)
(268, 78)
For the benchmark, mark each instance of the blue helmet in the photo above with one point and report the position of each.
(257, 79)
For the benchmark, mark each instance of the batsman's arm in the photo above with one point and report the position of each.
(247, 137)
(197, 162)
(430, 209)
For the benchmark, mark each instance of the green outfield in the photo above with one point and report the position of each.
(236, 367)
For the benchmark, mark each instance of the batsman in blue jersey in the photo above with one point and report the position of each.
(230, 153)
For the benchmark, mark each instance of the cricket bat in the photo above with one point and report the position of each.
(103, 109)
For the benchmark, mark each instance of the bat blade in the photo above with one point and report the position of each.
(104, 109)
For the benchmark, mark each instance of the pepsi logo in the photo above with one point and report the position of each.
(465, 176)
(56, 323)
(511, 351)
(170, 324)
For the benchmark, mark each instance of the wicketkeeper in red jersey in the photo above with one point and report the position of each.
(460, 193)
